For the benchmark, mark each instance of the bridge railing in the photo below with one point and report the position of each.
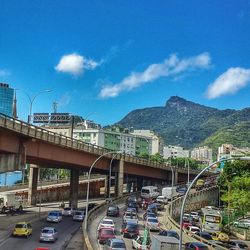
(40, 133)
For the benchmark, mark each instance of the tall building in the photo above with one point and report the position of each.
(174, 152)
(202, 154)
(6, 99)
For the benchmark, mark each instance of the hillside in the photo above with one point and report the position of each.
(185, 123)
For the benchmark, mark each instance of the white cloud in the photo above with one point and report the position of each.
(4, 72)
(75, 64)
(229, 82)
(171, 66)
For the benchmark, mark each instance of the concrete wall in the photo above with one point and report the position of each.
(60, 193)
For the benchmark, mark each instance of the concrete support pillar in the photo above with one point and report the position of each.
(139, 183)
(32, 189)
(74, 184)
(120, 178)
(176, 176)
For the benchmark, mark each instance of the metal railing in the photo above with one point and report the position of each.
(40, 133)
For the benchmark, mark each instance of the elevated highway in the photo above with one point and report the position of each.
(22, 143)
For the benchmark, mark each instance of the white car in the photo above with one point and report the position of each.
(107, 223)
(130, 217)
(195, 215)
(67, 211)
(242, 223)
(193, 229)
(162, 199)
(152, 224)
(137, 243)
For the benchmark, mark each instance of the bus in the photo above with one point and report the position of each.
(210, 220)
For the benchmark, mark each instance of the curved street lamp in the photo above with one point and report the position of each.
(89, 173)
(32, 99)
(192, 183)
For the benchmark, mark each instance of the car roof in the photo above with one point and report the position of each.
(48, 228)
(117, 240)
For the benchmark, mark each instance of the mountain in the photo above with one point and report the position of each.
(185, 123)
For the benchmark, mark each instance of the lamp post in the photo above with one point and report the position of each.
(87, 198)
(192, 183)
(32, 99)
(172, 189)
(110, 168)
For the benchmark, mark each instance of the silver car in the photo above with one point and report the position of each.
(48, 234)
(54, 216)
(152, 224)
(79, 215)
(67, 211)
(114, 244)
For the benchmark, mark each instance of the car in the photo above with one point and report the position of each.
(132, 198)
(195, 215)
(237, 244)
(162, 199)
(181, 190)
(149, 214)
(133, 204)
(242, 223)
(106, 223)
(54, 216)
(169, 233)
(193, 229)
(152, 224)
(114, 244)
(187, 217)
(79, 215)
(137, 243)
(130, 229)
(130, 216)
(152, 208)
(113, 210)
(104, 234)
(48, 234)
(186, 224)
(131, 209)
(204, 235)
(42, 248)
(220, 236)
(67, 211)
(22, 229)
(195, 246)
(91, 206)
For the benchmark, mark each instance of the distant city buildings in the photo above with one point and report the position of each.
(6, 99)
(228, 150)
(174, 152)
(202, 154)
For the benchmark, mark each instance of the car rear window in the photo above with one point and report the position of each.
(132, 226)
(78, 213)
(47, 231)
(53, 214)
(118, 245)
(153, 220)
(107, 232)
(108, 222)
(20, 225)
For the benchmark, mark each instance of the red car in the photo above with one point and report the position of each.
(105, 234)
(186, 224)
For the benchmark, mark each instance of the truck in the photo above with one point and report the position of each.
(159, 242)
(167, 192)
(11, 202)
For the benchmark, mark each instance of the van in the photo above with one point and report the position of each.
(148, 192)
(167, 192)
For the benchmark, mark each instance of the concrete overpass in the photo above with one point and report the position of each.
(22, 143)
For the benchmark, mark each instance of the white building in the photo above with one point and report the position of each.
(202, 154)
(228, 150)
(174, 152)
(155, 142)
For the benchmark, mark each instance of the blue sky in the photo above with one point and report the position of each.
(102, 59)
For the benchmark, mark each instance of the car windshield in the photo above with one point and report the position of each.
(108, 222)
(21, 226)
(78, 213)
(67, 208)
(118, 245)
(153, 220)
(53, 214)
(47, 231)
(132, 226)
(107, 232)
(112, 208)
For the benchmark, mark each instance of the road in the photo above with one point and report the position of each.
(65, 230)
(118, 224)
